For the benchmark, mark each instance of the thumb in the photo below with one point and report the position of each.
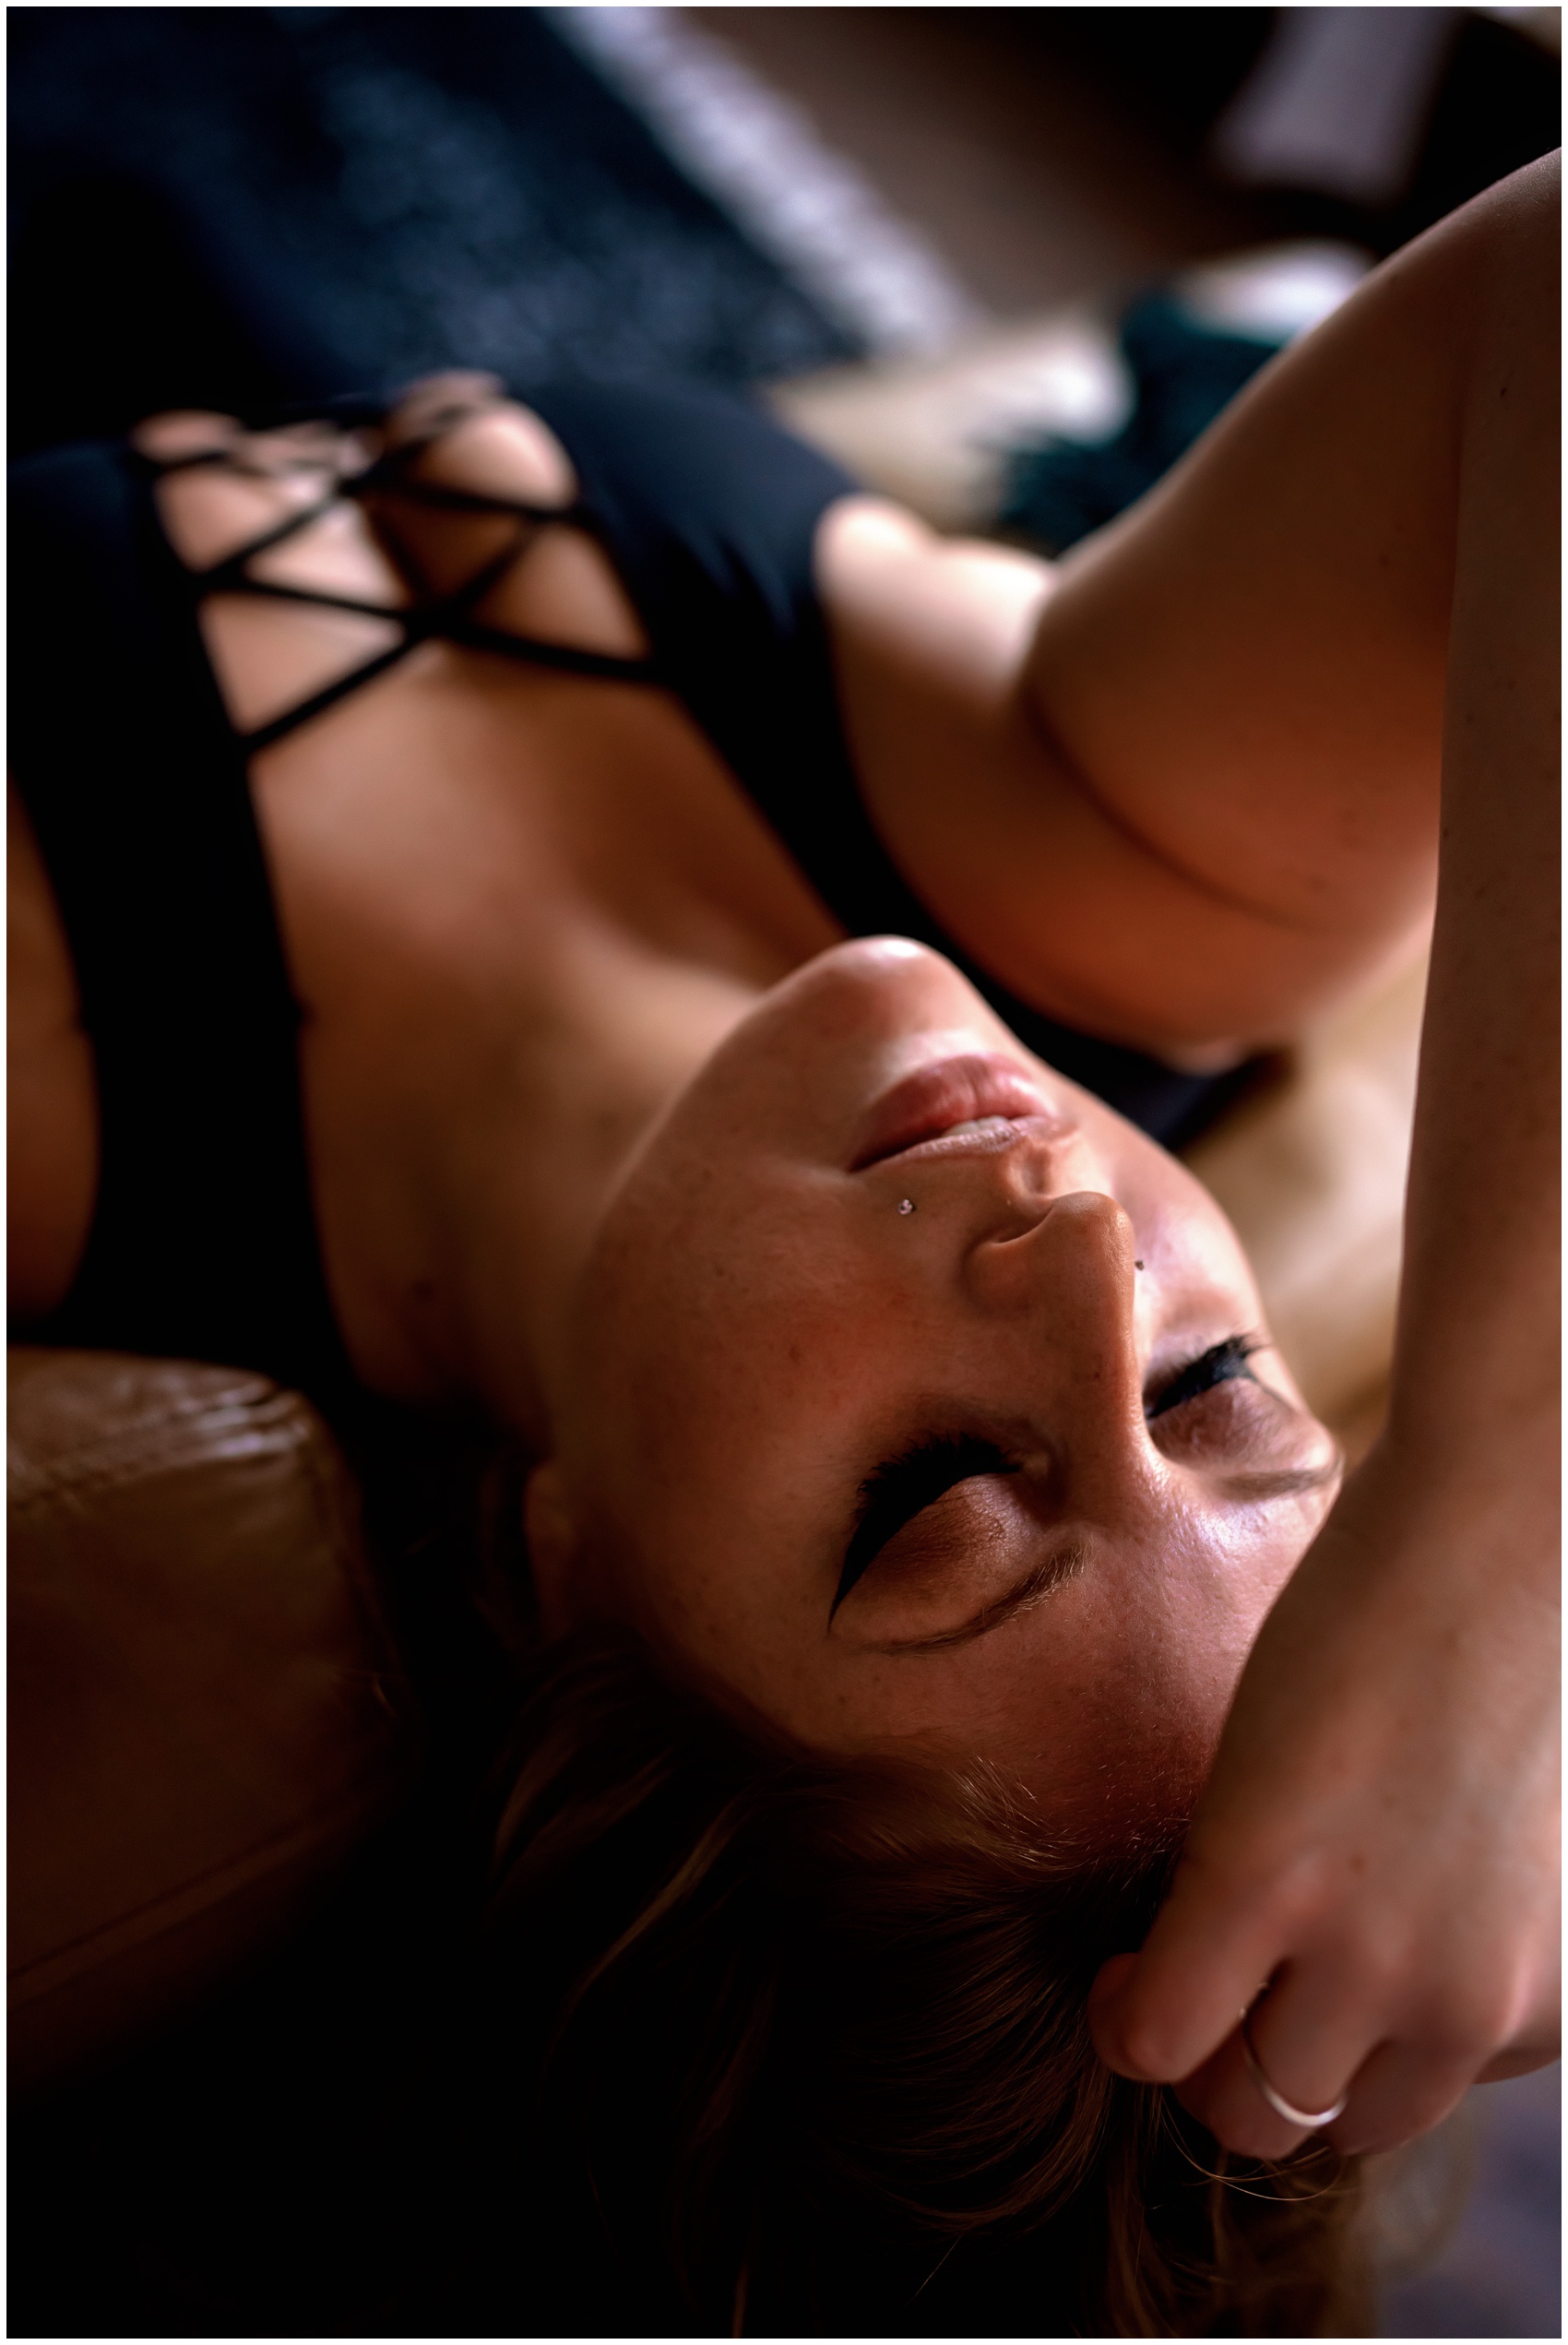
(1106, 1998)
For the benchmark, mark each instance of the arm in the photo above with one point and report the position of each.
(1379, 1835)
(1183, 790)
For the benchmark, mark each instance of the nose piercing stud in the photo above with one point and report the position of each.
(907, 1205)
(1138, 1265)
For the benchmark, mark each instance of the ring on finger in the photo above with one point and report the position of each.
(1312, 2119)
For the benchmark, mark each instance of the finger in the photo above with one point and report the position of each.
(1291, 2066)
(1231, 2103)
(1223, 2096)
(1534, 2037)
(1520, 2059)
(1210, 1951)
(1399, 2093)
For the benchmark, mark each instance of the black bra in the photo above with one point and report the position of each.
(448, 617)
(203, 1242)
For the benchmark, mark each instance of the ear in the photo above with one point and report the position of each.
(554, 1537)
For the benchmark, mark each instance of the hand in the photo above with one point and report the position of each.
(1378, 1839)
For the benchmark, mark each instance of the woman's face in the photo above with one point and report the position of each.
(921, 1401)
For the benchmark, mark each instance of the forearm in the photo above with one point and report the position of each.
(1475, 1378)
(1379, 1836)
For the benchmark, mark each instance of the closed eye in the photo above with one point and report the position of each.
(905, 1487)
(1219, 1364)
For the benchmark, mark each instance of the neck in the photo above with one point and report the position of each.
(506, 1185)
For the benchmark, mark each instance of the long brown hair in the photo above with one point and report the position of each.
(813, 2032)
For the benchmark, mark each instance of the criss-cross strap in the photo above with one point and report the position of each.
(447, 617)
(390, 475)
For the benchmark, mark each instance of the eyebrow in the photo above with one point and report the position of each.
(1065, 1562)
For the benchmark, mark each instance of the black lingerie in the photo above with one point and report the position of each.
(203, 1242)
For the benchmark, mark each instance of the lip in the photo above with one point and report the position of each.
(919, 1110)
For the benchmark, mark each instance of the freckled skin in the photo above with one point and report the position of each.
(759, 1327)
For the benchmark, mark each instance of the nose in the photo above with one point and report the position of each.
(1065, 1286)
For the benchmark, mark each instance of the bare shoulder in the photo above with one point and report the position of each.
(52, 1167)
(896, 587)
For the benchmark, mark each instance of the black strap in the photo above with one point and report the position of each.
(448, 617)
(203, 1243)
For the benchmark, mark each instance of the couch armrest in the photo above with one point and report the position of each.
(206, 1714)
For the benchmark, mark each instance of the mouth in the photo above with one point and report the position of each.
(973, 1102)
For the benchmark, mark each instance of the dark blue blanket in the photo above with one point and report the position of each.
(249, 206)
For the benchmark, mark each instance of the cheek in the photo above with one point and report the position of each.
(1188, 1247)
(720, 1379)
(724, 1320)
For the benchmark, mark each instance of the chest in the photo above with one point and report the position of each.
(463, 804)
(469, 858)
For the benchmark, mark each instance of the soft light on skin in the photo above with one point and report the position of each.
(759, 1327)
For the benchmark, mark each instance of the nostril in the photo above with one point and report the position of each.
(1089, 1221)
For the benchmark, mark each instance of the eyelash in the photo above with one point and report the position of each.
(902, 1487)
(1220, 1364)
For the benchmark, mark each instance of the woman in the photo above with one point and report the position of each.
(896, 1395)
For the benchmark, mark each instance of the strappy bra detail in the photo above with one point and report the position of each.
(448, 616)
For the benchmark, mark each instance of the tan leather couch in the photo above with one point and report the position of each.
(206, 1713)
